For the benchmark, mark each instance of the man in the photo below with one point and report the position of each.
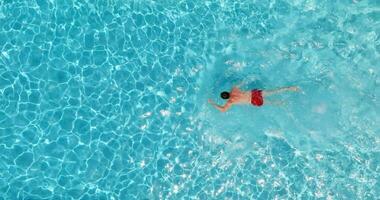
(255, 97)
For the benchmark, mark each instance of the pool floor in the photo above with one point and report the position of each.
(108, 99)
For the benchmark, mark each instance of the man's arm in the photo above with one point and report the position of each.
(221, 108)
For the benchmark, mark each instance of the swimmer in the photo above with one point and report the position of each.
(254, 97)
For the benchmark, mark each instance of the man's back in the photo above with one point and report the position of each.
(239, 97)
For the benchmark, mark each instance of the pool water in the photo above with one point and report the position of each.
(108, 99)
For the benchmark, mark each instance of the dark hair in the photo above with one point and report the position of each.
(225, 95)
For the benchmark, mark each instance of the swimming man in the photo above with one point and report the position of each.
(254, 97)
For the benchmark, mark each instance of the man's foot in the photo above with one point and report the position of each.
(295, 88)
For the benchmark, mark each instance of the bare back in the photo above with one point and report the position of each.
(239, 97)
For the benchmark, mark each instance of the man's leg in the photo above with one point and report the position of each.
(280, 90)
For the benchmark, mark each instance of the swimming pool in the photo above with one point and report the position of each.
(108, 99)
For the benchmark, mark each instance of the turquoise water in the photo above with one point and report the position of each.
(108, 99)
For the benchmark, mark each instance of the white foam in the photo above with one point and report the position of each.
(175, 189)
(143, 127)
(319, 157)
(172, 100)
(165, 113)
(145, 115)
(5, 54)
(142, 164)
(261, 182)
(319, 194)
(216, 139)
(274, 133)
(320, 109)
(160, 93)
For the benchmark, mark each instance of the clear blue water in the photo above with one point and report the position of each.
(108, 99)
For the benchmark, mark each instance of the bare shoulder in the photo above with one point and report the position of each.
(235, 92)
(235, 89)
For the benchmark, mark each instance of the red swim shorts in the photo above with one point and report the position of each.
(257, 97)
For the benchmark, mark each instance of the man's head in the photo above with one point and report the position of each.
(225, 95)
